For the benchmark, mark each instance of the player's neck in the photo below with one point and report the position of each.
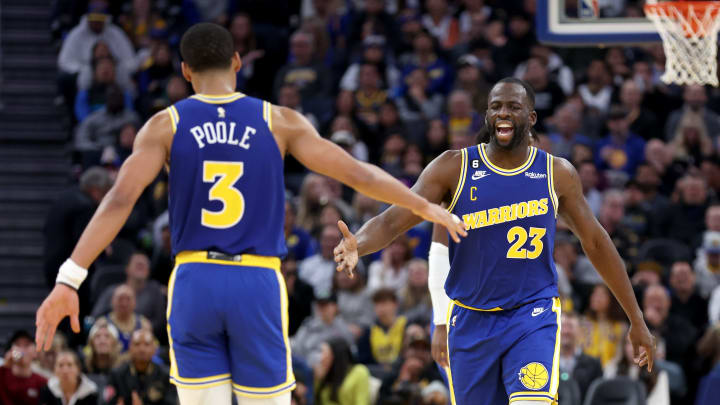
(508, 158)
(213, 84)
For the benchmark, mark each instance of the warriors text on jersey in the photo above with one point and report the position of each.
(507, 258)
(226, 177)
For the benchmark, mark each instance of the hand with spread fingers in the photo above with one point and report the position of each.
(644, 345)
(346, 254)
(63, 301)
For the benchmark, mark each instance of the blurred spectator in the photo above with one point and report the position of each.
(617, 62)
(150, 301)
(605, 326)
(462, 120)
(324, 324)
(611, 217)
(372, 19)
(557, 71)
(548, 94)
(414, 297)
(471, 79)
(693, 110)
(597, 92)
(382, 342)
(69, 385)
(659, 156)
(172, 91)
(102, 352)
(425, 57)
(45, 362)
(710, 169)
(102, 127)
(620, 150)
(99, 51)
(691, 143)
(157, 69)
(418, 105)
(441, 24)
(338, 379)
(139, 380)
(344, 138)
(93, 27)
(354, 301)
(641, 120)
(318, 269)
(123, 316)
(114, 155)
(413, 371)
(686, 301)
(95, 96)
(709, 344)
(578, 366)
(520, 40)
(162, 261)
(589, 179)
(684, 218)
(311, 77)
(289, 96)
(436, 139)
(370, 95)
(300, 294)
(475, 13)
(707, 264)
(565, 130)
(679, 334)
(374, 52)
(299, 243)
(391, 271)
(314, 193)
(656, 382)
(577, 267)
(648, 181)
(139, 22)
(19, 385)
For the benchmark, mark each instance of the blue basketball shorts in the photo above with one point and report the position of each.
(498, 357)
(228, 324)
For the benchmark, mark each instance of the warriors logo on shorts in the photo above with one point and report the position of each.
(533, 376)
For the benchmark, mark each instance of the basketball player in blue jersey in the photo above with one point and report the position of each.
(500, 337)
(227, 304)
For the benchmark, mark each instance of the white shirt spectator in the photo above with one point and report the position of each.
(599, 100)
(381, 276)
(318, 272)
(74, 53)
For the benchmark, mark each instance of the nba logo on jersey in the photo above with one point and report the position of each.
(589, 9)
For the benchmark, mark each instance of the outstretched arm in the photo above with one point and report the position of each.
(149, 155)
(297, 136)
(602, 253)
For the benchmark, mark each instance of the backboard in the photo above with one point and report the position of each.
(588, 23)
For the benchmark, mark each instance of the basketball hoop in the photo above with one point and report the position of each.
(689, 31)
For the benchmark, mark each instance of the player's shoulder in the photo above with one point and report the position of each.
(565, 177)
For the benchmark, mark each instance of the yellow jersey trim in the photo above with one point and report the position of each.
(506, 172)
(247, 394)
(218, 99)
(461, 180)
(460, 304)
(269, 115)
(543, 399)
(447, 345)
(171, 287)
(551, 184)
(555, 374)
(174, 117)
(285, 325)
(246, 260)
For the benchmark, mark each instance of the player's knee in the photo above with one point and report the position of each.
(282, 399)
(218, 395)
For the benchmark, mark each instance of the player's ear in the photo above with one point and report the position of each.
(236, 62)
(186, 71)
(533, 118)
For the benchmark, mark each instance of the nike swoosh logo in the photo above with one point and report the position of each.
(477, 176)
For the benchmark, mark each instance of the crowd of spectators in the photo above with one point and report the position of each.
(395, 83)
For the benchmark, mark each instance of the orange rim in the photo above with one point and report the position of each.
(691, 27)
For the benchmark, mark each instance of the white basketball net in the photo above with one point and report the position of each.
(689, 33)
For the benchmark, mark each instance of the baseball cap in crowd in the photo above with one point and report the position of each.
(711, 242)
(97, 11)
(468, 60)
(326, 297)
(17, 336)
(374, 40)
(343, 138)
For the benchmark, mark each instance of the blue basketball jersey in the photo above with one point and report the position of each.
(507, 258)
(226, 184)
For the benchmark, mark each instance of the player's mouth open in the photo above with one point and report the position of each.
(504, 131)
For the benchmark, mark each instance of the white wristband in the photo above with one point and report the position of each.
(71, 274)
(438, 270)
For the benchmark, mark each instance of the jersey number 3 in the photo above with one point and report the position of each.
(517, 235)
(224, 191)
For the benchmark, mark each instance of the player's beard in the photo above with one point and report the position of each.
(519, 133)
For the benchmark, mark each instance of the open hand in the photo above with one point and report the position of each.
(62, 301)
(346, 254)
